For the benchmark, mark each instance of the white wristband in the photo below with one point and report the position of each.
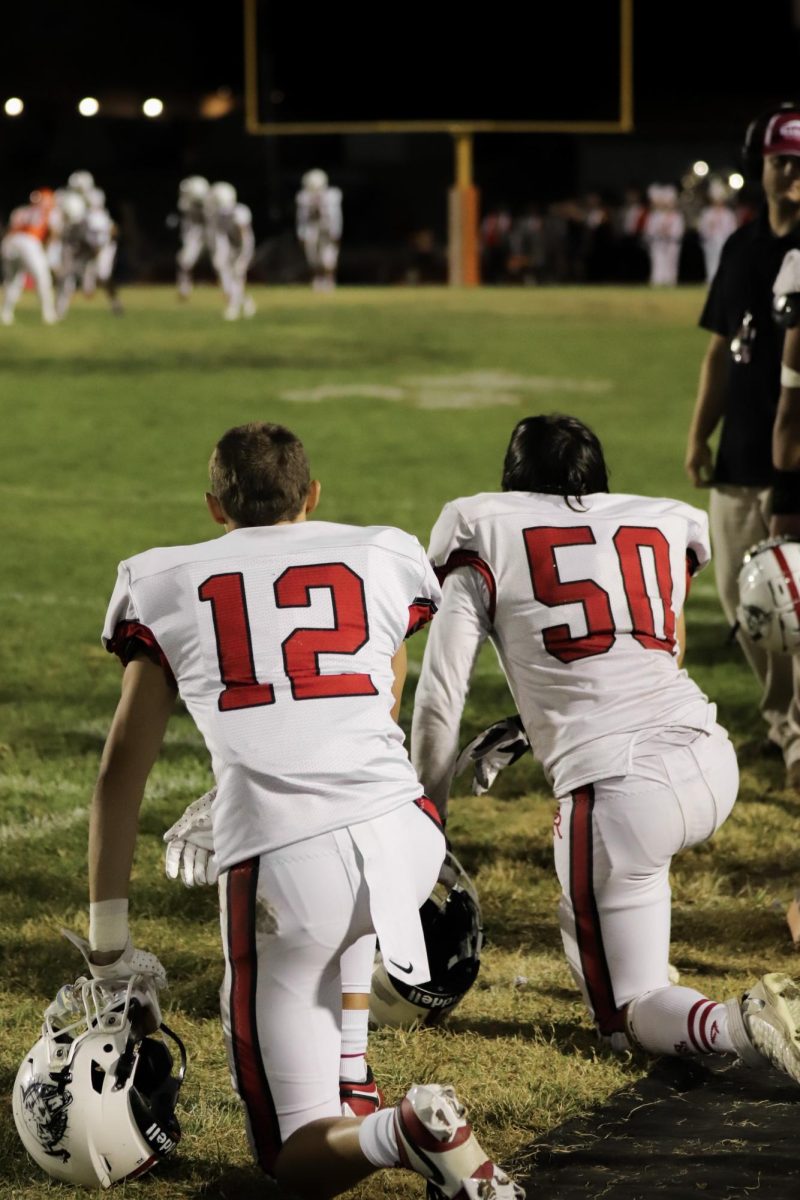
(108, 925)
(789, 377)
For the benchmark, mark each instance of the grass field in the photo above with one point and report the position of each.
(404, 399)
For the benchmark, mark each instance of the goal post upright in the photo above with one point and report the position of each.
(463, 206)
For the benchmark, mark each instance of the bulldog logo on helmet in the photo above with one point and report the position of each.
(44, 1110)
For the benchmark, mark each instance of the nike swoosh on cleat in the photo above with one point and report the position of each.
(406, 970)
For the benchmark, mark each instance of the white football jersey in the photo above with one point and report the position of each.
(322, 210)
(581, 604)
(280, 639)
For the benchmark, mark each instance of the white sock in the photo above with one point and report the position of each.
(679, 1020)
(353, 1064)
(378, 1140)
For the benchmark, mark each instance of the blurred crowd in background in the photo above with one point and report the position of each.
(660, 234)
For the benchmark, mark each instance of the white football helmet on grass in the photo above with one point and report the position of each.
(94, 1099)
(769, 594)
(453, 928)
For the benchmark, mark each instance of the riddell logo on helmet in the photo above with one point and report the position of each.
(158, 1140)
(430, 1001)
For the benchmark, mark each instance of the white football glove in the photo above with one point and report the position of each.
(149, 971)
(787, 281)
(497, 747)
(190, 845)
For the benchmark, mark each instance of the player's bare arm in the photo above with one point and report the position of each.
(708, 411)
(400, 670)
(131, 748)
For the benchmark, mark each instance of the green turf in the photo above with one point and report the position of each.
(404, 399)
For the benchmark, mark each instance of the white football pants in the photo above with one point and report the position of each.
(613, 843)
(193, 243)
(295, 922)
(23, 254)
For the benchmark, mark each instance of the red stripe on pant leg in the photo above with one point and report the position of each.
(251, 1078)
(588, 933)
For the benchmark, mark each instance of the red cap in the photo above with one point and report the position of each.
(782, 135)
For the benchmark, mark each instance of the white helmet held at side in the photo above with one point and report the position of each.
(453, 928)
(195, 187)
(222, 197)
(315, 181)
(769, 594)
(94, 1099)
(81, 181)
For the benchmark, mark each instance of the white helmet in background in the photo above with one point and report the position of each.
(315, 181)
(96, 198)
(81, 181)
(94, 1100)
(769, 594)
(194, 187)
(453, 928)
(222, 197)
(73, 206)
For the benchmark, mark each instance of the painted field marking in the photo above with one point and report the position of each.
(493, 388)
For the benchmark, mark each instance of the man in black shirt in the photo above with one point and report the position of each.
(739, 386)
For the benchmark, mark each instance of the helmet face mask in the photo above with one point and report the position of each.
(94, 1099)
(453, 928)
(769, 595)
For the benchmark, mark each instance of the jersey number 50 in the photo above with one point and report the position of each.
(302, 648)
(629, 541)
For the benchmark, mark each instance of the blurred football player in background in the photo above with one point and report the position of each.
(582, 594)
(68, 261)
(232, 243)
(22, 252)
(100, 241)
(192, 196)
(716, 224)
(319, 227)
(285, 639)
(662, 233)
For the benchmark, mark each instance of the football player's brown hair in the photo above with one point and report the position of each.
(260, 474)
(554, 454)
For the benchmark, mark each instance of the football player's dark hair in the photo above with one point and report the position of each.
(260, 474)
(554, 454)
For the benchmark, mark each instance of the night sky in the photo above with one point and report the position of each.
(704, 63)
(701, 71)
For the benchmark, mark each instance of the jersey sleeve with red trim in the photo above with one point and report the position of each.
(428, 596)
(698, 544)
(124, 634)
(453, 545)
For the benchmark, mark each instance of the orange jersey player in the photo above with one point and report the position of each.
(22, 253)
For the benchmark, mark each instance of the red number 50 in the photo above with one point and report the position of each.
(629, 541)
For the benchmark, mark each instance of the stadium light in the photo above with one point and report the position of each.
(13, 106)
(700, 168)
(153, 107)
(88, 107)
(736, 181)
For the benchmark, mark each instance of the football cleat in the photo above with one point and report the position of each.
(435, 1139)
(360, 1099)
(769, 1017)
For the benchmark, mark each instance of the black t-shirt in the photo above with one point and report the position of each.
(750, 260)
